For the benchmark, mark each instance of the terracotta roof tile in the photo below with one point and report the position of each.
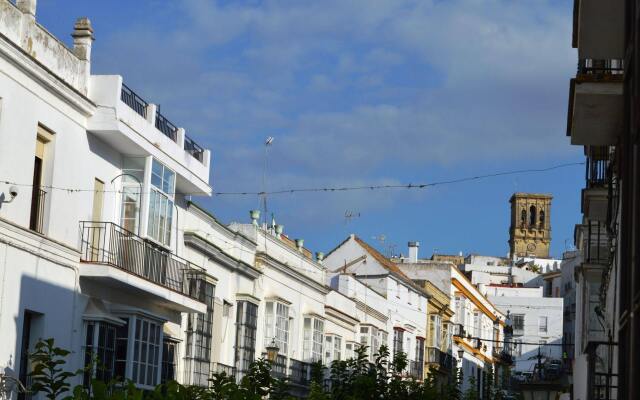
(389, 265)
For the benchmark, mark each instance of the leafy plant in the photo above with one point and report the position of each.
(47, 374)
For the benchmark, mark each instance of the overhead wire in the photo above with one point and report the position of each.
(326, 189)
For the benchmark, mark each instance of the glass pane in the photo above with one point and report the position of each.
(156, 174)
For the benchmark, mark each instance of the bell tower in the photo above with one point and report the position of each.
(530, 231)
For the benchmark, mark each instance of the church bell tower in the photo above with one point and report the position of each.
(530, 231)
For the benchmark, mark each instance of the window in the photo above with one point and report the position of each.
(132, 178)
(312, 344)
(384, 338)
(38, 192)
(541, 224)
(146, 352)
(435, 331)
(523, 218)
(518, 324)
(100, 346)
(246, 326)
(370, 336)
(199, 337)
(332, 349)
(517, 344)
(169, 353)
(161, 203)
(532, 217)
(328, 349)
(277, 325)
(337, 348)
(398, 338)
(542, 324)
(420, 350)
(350, 348)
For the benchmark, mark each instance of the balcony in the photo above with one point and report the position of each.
(220, 368)
(592, 239)
(136, 127)
(299, 373)
(115, 257)
(596, 103)
(416, 370)
(595, 195)
(440, 359)
(598, 28)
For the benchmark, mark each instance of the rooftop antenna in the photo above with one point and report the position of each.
(349, 215)
(267, 143)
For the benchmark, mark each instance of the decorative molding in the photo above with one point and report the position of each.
(279, 266)
(212, 251)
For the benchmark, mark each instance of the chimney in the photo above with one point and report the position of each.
(27, 6)
(82, 38)
(413, 251)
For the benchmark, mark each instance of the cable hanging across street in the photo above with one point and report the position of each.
(335, 188)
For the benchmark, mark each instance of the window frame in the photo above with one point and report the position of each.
(277, 325)
(161, 202)
(313, 338)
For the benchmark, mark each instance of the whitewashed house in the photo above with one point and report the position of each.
(93, 183)
(288, 309)
(406, 302)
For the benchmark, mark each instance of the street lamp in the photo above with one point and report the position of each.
(272, 351)
(460, 354)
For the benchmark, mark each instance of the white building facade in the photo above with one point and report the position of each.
(95, 184)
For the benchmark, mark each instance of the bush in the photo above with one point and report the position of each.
(353, 379)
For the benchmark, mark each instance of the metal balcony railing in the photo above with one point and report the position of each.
(416, 369)
(166, 127)
(299, 372)
(109, 244)
(220, 368)
(596, 245)
(191, 147)
(600, 68)
(38, 201)
(597, 167)
(135, 102)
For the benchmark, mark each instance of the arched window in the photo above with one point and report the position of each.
(523, 218)
(532, 216)
(541, 224)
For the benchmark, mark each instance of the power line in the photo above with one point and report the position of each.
(324, 189)
(400, 186)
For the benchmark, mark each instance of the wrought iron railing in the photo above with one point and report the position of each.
(600, 67)
(193, 148)
(220, 368)
(166, 127)
(135, 102)
(596, 247)
(38, 200)
(299, 372)
(279, 367)
(416, 369)
(110, 244)
(597, 167)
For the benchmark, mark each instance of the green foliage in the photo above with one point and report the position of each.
(354, 379)
(47, 374)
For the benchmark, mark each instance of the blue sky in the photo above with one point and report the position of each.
(359, 92)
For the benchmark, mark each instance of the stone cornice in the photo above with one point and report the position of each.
(212, 251)
(279, 266)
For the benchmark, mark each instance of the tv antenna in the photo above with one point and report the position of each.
(350, 215)
(267, 143)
